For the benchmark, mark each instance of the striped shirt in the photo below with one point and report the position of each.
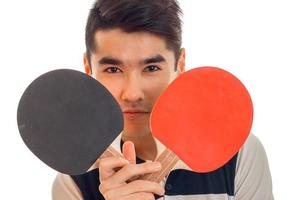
(245, 177)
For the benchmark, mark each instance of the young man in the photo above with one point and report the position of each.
(134, 49)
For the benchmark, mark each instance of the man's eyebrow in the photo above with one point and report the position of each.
(109, 61)
(114, 61)
(155, 59)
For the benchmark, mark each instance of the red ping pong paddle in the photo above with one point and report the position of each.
(203, 118)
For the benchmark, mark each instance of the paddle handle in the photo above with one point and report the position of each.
(167, 158)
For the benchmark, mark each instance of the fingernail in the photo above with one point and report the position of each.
(157, 165)
(125, 161)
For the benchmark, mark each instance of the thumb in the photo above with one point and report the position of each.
(129, 152)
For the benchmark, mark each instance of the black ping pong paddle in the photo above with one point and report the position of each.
(67, 119)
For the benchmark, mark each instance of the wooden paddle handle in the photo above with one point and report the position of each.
(167, 158)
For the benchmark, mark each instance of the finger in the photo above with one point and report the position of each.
(130, 155)
(136, 187)
(132, 170)
(129, 152)
(107, 166)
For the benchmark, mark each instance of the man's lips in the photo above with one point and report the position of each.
(135, 112)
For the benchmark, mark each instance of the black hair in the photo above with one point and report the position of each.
(159, 17)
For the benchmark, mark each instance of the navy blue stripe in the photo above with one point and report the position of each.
(88, 184)
(220, 181)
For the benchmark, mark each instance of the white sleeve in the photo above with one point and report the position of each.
(64, 188)
(253, 179)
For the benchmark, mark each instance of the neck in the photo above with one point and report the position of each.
(145, 145)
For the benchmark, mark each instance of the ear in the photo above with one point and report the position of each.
(181, 61)
(87, 67)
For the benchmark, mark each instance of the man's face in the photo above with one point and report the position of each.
(136, 68)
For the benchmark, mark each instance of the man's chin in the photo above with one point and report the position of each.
(136, 127)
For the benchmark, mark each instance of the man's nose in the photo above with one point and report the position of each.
(133, 89)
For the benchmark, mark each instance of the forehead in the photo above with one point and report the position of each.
(118, 43)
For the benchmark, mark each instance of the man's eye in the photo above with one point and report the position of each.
(151, 68)
(112, 70)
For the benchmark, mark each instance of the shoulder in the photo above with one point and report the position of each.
(253, 178)
(65, 188)
(252, 155)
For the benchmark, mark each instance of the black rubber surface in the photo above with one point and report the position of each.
(68, 119)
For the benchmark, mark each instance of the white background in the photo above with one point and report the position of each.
(257, 40)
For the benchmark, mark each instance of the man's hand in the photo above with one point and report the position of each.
(113, 182)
